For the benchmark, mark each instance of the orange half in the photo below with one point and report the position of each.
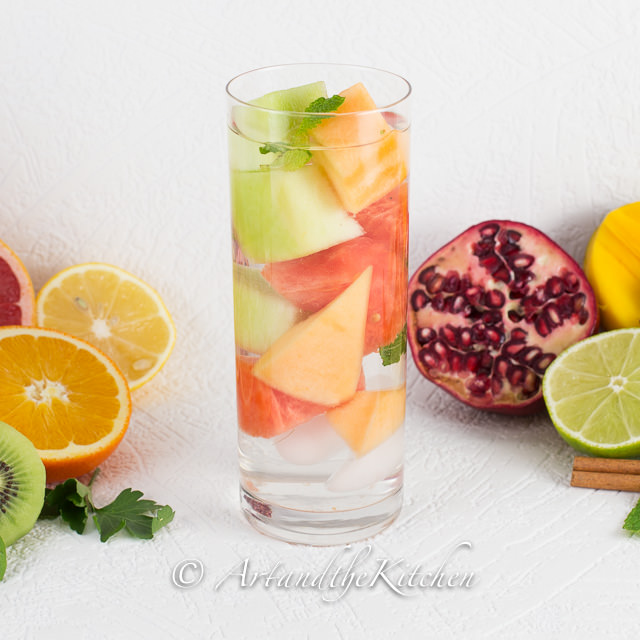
(63, 394)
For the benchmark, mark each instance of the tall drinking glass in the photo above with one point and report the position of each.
(319, 164)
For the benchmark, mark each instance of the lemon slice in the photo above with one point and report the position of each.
(114, 311)
(592, 392)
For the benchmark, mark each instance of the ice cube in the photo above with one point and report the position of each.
(359, 473)
(310, 443)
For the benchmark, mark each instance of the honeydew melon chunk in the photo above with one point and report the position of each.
(260, 314)
(369, 418)
(365, 156)
(256, 126)
(280, 215)
(320, 359)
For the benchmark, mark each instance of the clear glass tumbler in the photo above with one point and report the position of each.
(319, 164)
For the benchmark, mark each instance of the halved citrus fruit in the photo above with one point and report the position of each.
(17, 300)
(114, 311)
(592, 392)
(63, 394)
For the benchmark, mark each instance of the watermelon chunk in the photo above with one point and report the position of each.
(365, 156)
(313, 281)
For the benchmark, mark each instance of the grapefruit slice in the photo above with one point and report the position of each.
(369, 418)
(364, 159)
(320, 358)
(310, 283)
(17, 299)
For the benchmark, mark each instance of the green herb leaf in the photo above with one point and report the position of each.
(164, 516)
(3, 558)
(292, 155)
(130, 512)
(71, 501)
(632, 522)
(392, 353)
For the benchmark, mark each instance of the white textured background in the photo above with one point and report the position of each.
(112, 148)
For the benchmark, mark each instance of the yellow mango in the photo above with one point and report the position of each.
(612, 266)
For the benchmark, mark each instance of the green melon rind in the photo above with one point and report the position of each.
(281, 215)
(19, 452)
(631, 447)
(261, 315)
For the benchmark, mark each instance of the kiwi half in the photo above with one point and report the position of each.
(22, 482)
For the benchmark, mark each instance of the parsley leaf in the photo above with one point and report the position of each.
(3, 558)
(632, 522)
(391, 353)
(72, 501)
(130, 512)
(290, 156)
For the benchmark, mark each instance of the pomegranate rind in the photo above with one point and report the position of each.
(15, 273)
(497, 365)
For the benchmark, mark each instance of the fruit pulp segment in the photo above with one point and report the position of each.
(319, 286)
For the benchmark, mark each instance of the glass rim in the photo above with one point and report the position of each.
(386, 107)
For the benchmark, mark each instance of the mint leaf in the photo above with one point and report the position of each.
(392, 353)
(290, 156)
(632, 522)
(128, 511)
(3, 558)
(69, 500)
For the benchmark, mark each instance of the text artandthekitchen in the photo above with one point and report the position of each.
(347, 570)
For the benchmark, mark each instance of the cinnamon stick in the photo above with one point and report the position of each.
(606, 473)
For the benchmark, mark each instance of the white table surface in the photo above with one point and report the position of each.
(112, 148)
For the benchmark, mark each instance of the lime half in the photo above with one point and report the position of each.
(592, 392)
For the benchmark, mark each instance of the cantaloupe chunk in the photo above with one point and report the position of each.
(320, 358)
(369, 418)
(365, 159)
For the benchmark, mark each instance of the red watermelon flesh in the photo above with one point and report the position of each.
(313, 281)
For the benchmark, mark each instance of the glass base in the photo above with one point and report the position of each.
(320, 528)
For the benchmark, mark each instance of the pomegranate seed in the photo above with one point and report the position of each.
(441, 349)
(496, 386)
(542, 327)
(438, 302)
(478, 332)
(465, 283)
(519, 335)
(571, 282)
(419, 300)
(540, 296)
(478, 386)
(501, 366)
(508, 250)
(425, 335)
(529, 354)
(531, 383)
(513, 236)
(514, 316)
(491, 317)
(483, 248)
(541, 364)
(473, 295)
(512, 348)
(583, 316)
(427, 358)
(503, 275)
(565, 305)
(486, 362)
(552, 315)
(495, 337)
(578, 301)
(494, 298)
(465, 338)
(491, 263)
(458, 304)
(426, 274)
(472, 362)
(521, 261)
(554, 287)
(489, 230)
(516, 375)
(449, 335)
(452, 282)
(455, 363)
(434, 285)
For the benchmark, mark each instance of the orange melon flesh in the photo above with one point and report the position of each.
(369, 418)
(366, 159)
(319, 359)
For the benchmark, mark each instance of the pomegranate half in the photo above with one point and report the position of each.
(490, 310)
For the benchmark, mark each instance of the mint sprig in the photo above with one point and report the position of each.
(391, 353)
(290, 156)
(73, 502)
(632, 521)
